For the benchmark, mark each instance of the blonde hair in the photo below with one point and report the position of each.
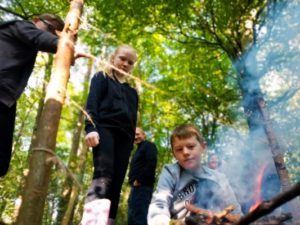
(108, 69)
(184, 131)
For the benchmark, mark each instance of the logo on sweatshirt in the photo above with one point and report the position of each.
(188, 190)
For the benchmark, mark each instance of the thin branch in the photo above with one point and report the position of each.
(22, 8)
(12, 12)
(267, 207)
(284, 98)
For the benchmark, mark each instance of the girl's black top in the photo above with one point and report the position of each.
(111, 104)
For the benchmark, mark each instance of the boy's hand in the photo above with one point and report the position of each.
(159, 220)
(92, 139)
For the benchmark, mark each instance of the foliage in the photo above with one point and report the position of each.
(189, 56)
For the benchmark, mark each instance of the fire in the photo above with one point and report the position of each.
(258, 187)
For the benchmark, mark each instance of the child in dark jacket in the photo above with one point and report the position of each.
(20, 41)
(112, 106)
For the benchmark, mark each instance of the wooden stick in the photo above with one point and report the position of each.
(267, 207)
(278, 156)
(215, 217)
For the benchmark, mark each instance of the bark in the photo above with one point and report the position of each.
(43, 154)
(42, 100)
(71, 190)
(278, 157)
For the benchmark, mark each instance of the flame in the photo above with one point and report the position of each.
(258, 187)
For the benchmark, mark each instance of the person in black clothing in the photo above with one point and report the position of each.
(141, 178)
(20, 42)
(112, 106)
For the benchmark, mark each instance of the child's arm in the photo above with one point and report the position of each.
(30, 35)
(159, 209)
(229, 197)
(95, 96)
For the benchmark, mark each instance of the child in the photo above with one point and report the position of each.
(20, 41)
(112, 105)
(187, 181)
(213, 161)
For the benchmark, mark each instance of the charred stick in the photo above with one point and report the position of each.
(278, 157)
(267, 207)
(215, 217)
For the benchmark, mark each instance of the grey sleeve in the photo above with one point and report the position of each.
(229, 196)
(161, 198)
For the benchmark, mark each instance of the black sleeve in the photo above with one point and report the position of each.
(136, 111)
(29, 34)
(148, 171)
(95, 96)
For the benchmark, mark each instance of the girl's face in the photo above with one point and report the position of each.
(188, 152)
(124, 59)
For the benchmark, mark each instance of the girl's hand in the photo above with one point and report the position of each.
(92, 139)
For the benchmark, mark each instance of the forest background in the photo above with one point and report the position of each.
(201, 62)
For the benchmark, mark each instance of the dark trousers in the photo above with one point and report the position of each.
(138, 204)
(111, 159)
(7, 124)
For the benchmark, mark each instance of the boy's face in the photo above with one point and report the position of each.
(188, 152)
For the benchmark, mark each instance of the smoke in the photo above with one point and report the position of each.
(274, 64)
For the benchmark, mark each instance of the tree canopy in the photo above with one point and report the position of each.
(199, 62)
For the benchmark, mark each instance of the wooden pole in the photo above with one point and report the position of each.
(43, 150)
(267, 207)
(278, 157)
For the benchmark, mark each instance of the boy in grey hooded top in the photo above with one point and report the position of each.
(187, 181)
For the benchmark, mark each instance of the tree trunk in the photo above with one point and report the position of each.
(42, 99)
(75, 189)
(68, 191)
(43, 155)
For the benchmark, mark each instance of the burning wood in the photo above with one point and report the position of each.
(267, 207)
(215, 217)
(273, 220)
(199, 219)
(277, 155)
(204, 216)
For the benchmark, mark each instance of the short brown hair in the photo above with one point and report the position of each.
(184, 131)
(54, 20)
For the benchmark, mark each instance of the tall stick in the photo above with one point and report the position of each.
(276, 150)
(43, 150)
